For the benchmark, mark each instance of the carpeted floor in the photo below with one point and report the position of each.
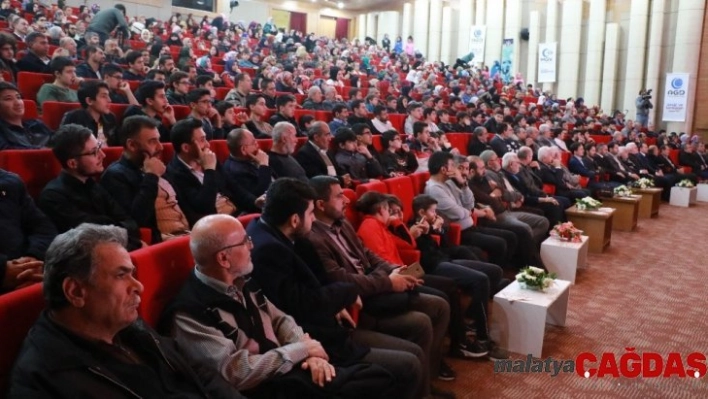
(647, 291)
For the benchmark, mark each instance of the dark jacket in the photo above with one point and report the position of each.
(281, 118)
(175, 98)
(196, 199)
(578, 167)
(526, 185)
(246, 182)
(310, 159)
(309, 104)
(85, 71)
(134, 191)
(399, 162)
(26, 231)
(285, 166)
(32, 134)
(82, 117)
(375, 279)
(358, 166)
(31, 63)
(502, 145)
(298, 286)
(128, 75)
(55, 363)
(554, 176)
(162, 128)
(68, 202)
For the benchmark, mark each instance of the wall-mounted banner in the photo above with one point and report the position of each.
(507, 61)
(547, 62)
(675, 97)
(478, 37)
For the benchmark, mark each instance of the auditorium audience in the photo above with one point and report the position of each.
(280, 155)
(256, 106)
(354, 159)
(200, 101)
(246, 171)
(178, 87)
(153, 104)
(95, 114)
(64, 73)
(17, 132)
(37, 57)
(285, 112)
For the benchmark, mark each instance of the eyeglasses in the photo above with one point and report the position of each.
(246, 241)
(93, 152)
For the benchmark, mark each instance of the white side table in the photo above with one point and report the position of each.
(519, 316)
(682, 196)
(564, 258)
(702, 192)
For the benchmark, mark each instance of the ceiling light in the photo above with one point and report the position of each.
(340, 5)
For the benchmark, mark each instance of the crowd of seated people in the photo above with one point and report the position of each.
(276, 138)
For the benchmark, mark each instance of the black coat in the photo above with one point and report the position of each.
(312, 161)
(31, 63)
(54, 363)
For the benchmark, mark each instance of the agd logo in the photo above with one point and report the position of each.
(477, 36)
(677, 86)
(547, 55)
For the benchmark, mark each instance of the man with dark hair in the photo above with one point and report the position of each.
(205, 82)
(253, 345)
(298, 286)
(285, 106)
(178, 88)
(166, 64)
(340, 114)
(227, 113)
(15, 132)
(119, 89)
(415, 114)
(135, 181)
(353, 159)
(238, 94)
(267, 87)
(246, 171)
(108, 20)
(257, 113)
(94, 112)
(89, 341)
(37, 57)
(156, 74)
(345, 259)
(91, 69)
(74, 197)
(25, 236)
(504, 141)
(64, 73)
(200, 101)
(195, 174)
(359, 113)
(153, 101)
(380, 123)
(314, 156)
(136, 66)
(492, 124)
(280, 155)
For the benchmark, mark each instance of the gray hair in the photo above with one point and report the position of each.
(71, 254)
(54, 32)
(206, 244)
(544, 128)
(311, 92)
(508, 158)
(631, 146)
(486, 155)
(280, 129)
(479, 131)
(89, 35)
(316, 128)
(524, 153)
(234, 138)
(543, 152)
(65, 40)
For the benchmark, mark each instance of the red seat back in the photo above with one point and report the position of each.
(349, 211)
(118, 110)
(459, 141)
(162, 269)
(220, 149)
(325, 116)
(378, 186)
(221, 92)
(247, 219)
(376, 142)
(28, 83)
(53, 112)
(181, 112)
(402, 187)
(30, 110)
(19, 310)
(112, 154)
(167, 152)
(35, 167)
(419, 179)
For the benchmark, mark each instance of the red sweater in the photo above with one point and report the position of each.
(375, 236)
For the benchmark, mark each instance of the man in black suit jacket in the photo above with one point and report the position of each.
(551, 172)
(298, 286)
(667, 167)
(36, 59)
(689, 157)
(315, 158)
(194, 174)
(637, 154)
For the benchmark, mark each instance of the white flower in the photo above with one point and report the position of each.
(547, 282)
(520, 277)
(536, 270)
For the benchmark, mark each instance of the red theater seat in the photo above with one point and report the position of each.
(28, 83)
(419, 179)
(220, 149)
(459, 141)
(402, 187)
(378, 186)
(112, 154)
(35, 167)
(162, 269)
(53, 112)
(19, 310)
(30, 110)
(118, 110)
(349, 212)
(247, 219)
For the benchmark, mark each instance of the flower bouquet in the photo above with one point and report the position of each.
(685, 183)
(566, 232)
(622, 191)
(534, 278)
(643, 183)
(587, 204)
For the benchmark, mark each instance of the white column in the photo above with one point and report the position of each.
(446, 55)
(420, 26)
(371, 24)
(512, 27)
(405, 23)
(361, 27)
(636, 51)
(687, 51)
(389, 22)
(656, 33)
(609, 68)
(551, 31)
(532, 61)
(480, 12)
(495, 31)
(435, 30)
(593, 67)
(569, 54)
(466, 20)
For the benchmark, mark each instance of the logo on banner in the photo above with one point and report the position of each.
(547, 54)
(478, 33)
(677, 86)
